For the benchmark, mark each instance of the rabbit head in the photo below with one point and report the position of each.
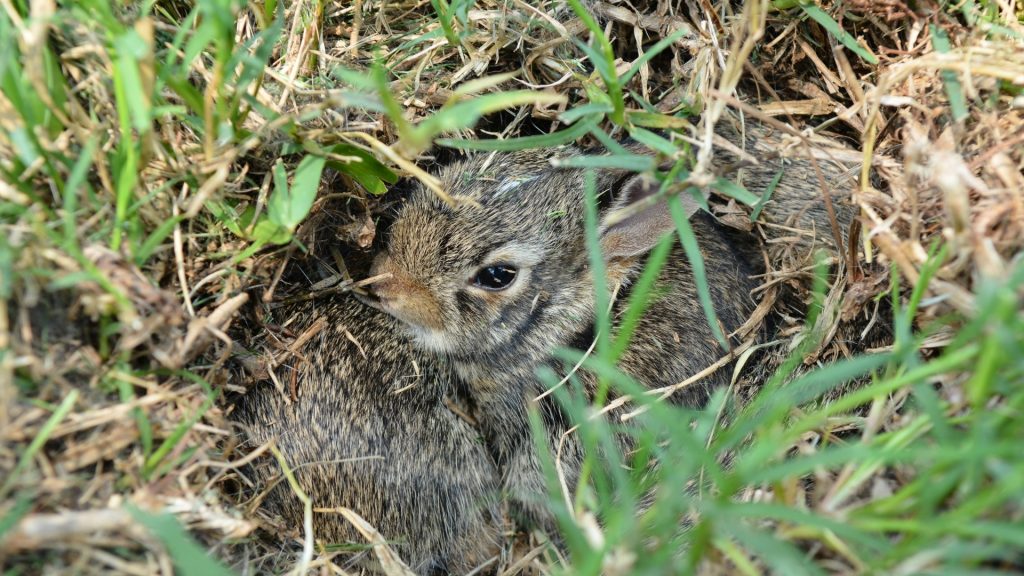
(502, 277)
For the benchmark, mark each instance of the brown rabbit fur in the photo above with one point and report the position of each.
(369, 431)
(529, 216)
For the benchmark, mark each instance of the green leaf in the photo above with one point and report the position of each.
(288, 206)
(526, 142)
(954, 90)
(466, 113)
(444, 17)
(127, 394)
(393, 109)
(57, 88)
(631, 162)
(70, 280)
(654, 141)
(603, 59)
(305, 185)
(354, 78)
(574, 114)
(269, 9)
(267, 232)
(226, 215)
(24, 144)
(602, 312)
(188, 556)
(640, 296)
(254, 61)
(369, 172)
(188, 93)
(653, 120)
(481, 84)
(127, 178)
(734, 190)
(796, 516)
(833, 28)
(368, 102)
(204, 35)
(605, 68)
(608, 142)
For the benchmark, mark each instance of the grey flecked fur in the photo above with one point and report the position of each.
(403, 461)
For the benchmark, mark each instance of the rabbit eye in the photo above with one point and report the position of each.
(495, 278)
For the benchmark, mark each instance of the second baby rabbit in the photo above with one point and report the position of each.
(496, 284)
(369, 430)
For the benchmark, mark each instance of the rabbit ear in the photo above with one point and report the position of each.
(625, 236)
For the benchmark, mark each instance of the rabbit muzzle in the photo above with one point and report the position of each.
(405, 298)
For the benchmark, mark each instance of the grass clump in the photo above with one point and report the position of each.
(161, 162)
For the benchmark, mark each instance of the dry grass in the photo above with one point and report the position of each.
(126, 250)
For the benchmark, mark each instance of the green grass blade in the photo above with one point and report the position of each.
(735, 191)
(689, 241)
(188, 556)
(526, 142)
(593, 239)
(766, 195)
(574, 114)
(22, 506)
(156, 239)
(466, 113)
(640, 295)
(444, 17)
(40, 439)
(175, 437)
(773, 511)
(76, 180)
(781, 556)
(833, 28)
(604, 62)
(654, 141)
(131, 50)
(631, 162)
(954, 90)
(653, 51)
(656, 120)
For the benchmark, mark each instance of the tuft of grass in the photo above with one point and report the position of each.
(732, 471)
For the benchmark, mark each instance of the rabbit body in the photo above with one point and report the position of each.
(497, 284)
(370, 431)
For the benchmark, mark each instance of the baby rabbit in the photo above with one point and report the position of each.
(497, 286)
(369, 431)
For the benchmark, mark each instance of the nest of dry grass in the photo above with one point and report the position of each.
(114, 366)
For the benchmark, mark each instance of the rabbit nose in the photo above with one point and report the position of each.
(387, 286)
(403, 296)
(396, 287)
(385, 289)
